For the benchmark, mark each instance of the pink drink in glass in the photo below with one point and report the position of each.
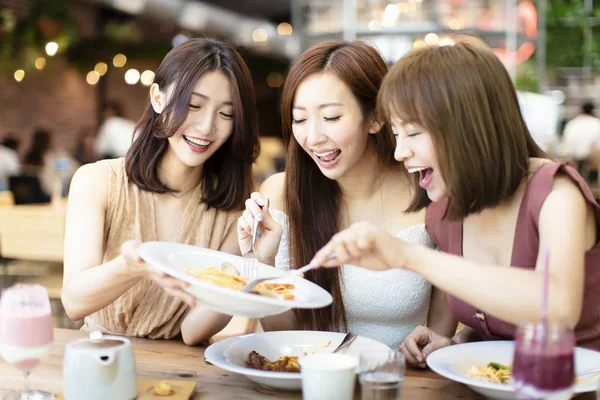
(543, 363)
(26, 331)
(25, 337)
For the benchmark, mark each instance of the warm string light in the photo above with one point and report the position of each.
(147, 77)
(284, 29)
(101, 68)
(92, 77)
(19, 75)
(259, 35)
(51, 48)
(132, 76)
(119, 60)
(40, 62)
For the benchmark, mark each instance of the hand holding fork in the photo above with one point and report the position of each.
(257, 219)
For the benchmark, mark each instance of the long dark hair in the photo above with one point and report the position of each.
(227, 174)
(312, 200)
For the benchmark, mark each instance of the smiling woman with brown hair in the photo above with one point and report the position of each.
(497, 203)
(184, 180)
(340, 170)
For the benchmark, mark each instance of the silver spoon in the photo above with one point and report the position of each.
(347, 341)
(251, 284)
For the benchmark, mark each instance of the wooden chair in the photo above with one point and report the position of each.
(6, 199)
(33, 232)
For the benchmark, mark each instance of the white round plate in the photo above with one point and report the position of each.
(174, 259)
(453, 362)
(231, 354)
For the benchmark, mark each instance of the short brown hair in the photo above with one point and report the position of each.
(227, 174)
(463, 96)
(312, 201)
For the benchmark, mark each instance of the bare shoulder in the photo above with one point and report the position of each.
(563, 185)
(273, 188)
(565, 196)
(90, 182)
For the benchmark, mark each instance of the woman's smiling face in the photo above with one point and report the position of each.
(328, 123)
(415, 148)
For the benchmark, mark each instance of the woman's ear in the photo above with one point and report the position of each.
(375, 126)
(157, 98)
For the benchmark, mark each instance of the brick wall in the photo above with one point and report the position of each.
(59, 98)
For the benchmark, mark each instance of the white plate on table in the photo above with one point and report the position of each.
(453, 362)
(231, 354)
(174, 259)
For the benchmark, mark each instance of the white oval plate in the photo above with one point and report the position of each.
(231, 354)
(175, 258)
(453, 362)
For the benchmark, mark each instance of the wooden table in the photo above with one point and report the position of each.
(163, 359)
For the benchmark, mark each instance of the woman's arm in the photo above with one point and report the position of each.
(440, 318)
(282, 322)
(466, 335)
(566, 226)
(515, 295)
(89, 285)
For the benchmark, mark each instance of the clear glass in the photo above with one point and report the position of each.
(26, 333)
(381, 373)
(543, 363)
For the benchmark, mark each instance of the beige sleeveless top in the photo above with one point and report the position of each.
(146, 310)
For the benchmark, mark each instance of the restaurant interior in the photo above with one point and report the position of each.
(73, 70)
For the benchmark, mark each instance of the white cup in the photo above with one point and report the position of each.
(328, 376)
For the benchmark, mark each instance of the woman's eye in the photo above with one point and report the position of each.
(194, 107)
(332, 119)
(227, 116)
(413, 134)
(298, 121)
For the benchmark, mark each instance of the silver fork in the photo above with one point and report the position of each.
(251, 257)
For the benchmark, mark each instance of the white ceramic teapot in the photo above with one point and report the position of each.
(99, 368)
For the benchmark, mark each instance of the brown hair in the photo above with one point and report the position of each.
(312, 200)
(227, 174)
(463, 96)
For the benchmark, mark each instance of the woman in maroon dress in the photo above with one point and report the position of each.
(495, 201)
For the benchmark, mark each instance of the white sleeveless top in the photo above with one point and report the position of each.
(385, 306)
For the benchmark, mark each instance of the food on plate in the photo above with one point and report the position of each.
(163, 388)
(491, 372)
(283, 364)
(231, 281)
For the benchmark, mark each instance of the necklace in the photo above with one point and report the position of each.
(180, 196)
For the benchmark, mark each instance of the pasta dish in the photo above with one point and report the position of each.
(491, 372)
(217, 277)
(283, 364)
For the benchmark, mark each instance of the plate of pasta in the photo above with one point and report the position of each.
(214, 279)
(486, 367)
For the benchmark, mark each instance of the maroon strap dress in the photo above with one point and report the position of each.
(448, 235)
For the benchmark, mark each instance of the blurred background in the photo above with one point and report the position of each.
(74, 78)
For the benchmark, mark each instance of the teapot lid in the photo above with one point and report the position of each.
(98, 342)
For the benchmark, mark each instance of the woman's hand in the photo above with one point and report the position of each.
(270, 230)
(365, 245)
(137, 266)
(420, 343)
